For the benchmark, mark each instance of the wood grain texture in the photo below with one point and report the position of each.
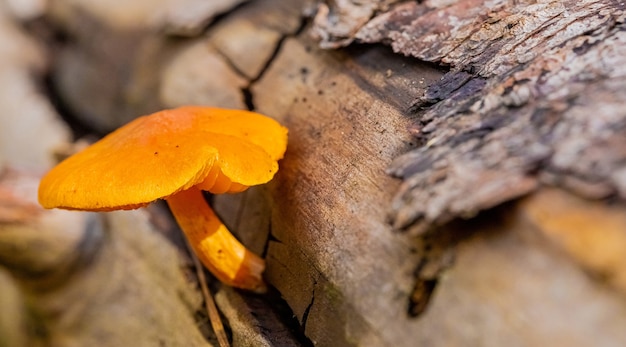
(531, 95)
(515, 109)
(332, 254)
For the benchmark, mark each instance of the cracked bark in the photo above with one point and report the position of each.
(499, 112)
(524, 76)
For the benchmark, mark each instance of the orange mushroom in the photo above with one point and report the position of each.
(174, 155)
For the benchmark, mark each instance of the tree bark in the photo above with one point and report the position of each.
(454, 176)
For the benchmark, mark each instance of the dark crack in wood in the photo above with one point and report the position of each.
(307, 310)
(261, 27)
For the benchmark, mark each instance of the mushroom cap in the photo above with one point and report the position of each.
(156, 156)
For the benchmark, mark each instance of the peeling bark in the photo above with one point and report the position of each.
(337, 22)
(514, 109)
(530, 96)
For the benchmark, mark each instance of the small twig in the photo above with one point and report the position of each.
(214, 316)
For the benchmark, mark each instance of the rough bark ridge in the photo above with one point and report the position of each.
(532, 97)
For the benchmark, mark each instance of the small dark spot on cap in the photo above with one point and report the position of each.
(156, 153)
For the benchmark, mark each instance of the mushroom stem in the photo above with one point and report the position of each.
(226, 258)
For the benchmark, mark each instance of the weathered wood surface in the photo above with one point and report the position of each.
(332, 254)
(510, 116)
(334, 246)
(514, 112)
(515, 109)
(76, 279)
